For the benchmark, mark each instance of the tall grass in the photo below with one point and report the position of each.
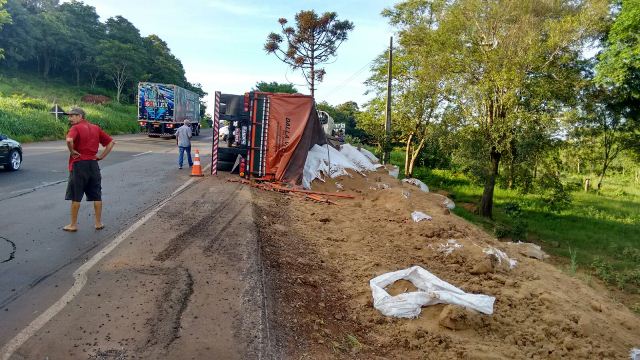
(25, 103)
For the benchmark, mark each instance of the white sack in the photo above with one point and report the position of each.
(501, 256)
(419, 216)
(450, 246)
(432, 291)
(395, 171)
(449, 204)
(317, 165)
(634, 354)
(418, 183)
(369, 155)
(357, 158)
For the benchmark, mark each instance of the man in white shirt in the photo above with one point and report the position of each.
(183, 139)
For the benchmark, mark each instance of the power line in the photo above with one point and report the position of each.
(350, 78)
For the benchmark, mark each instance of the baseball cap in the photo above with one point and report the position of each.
(76, 111)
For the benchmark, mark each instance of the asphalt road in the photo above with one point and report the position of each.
(37, 258)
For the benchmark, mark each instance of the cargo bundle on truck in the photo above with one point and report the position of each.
(162, 108)
(269, 135)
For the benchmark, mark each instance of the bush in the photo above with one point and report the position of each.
(502, 231)
(520, 230)
(558, 199)
(512, 209)
(36, 104)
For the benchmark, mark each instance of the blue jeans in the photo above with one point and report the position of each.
(181, 151)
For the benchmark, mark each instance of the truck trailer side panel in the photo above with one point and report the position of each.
(163, 107)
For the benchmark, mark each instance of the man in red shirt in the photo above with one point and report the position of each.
(83, 140)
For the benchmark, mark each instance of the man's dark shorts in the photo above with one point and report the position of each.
(84, 179)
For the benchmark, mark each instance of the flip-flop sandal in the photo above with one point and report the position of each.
(69, 230)
(100, 227)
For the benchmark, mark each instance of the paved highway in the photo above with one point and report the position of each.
(37, 258)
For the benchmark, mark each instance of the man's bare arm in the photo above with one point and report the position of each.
(106, 150)
(73, 152)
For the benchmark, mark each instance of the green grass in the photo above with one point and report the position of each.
(598, 232)
(25, 104)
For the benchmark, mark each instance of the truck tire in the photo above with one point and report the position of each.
(225, 165)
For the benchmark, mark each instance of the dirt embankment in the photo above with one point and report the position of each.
(321, 257)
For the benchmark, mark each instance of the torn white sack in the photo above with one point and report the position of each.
(325, 161)
(419, 216)
(418, 183)
(369, 155)
(432, 291)
(501, 256)
(450, 246)
(357, 158)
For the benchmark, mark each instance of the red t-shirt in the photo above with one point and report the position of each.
(86, 138)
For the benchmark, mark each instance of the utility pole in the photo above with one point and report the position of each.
(387, 128)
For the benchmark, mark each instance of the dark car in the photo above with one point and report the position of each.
(10, 153)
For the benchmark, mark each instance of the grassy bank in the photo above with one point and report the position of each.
(597, 232)
(25, 103)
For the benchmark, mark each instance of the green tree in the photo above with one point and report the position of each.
(371, 121)
(122, 30)
(163, 66)
(122, 63)
(618, 68)
(501, 52)
(601, 122)
(314, 41)
(419, 91)
(51, 37)
(84, 33)
(17, 38)
(5, 18)
(619, 63)
(275, 87)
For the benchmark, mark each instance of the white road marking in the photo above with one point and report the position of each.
(146, 152)
(80, 276)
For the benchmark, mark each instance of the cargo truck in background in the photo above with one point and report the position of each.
(162, 108)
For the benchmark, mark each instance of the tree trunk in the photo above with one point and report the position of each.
(486, 204)
(511, 176)
(414, 156)
(313, 71)
(407, 151)
(78, 77)
(604, 170)
(46, 65)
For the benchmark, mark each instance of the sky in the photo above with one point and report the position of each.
(221, 42)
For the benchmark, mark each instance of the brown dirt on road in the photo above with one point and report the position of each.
(185, 285)
(319, 259)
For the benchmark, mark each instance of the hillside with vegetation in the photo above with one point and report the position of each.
(60, 53)
(26, 102)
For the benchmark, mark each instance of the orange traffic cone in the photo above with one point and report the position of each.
(196, 170)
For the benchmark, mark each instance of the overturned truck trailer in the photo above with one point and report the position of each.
(269, 135)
